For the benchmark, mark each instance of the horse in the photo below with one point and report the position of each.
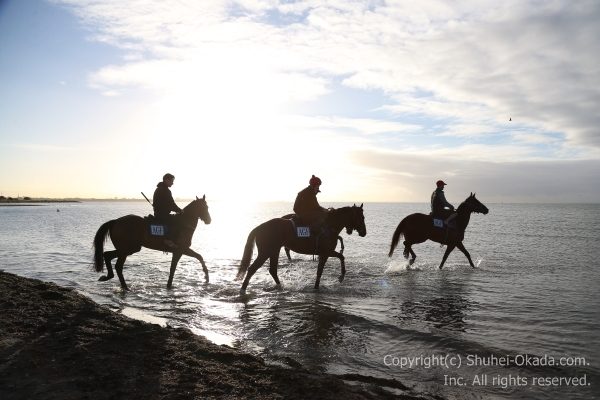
(129, 233)
(276, 233)
(418, 228)
(287, 249)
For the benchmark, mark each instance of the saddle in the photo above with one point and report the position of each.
(441, 222)
(159, 227)
(307, 229)
(444, 221)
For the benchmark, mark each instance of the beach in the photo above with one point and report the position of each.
(57, 344)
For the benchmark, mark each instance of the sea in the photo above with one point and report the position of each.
(523, 324)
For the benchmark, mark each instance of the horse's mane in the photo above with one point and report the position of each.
(189, 205)
(338, 211)
(464, 203)
(461, 206)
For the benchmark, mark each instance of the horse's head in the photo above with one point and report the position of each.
(199, 209)
(473, 205)
(357, 221)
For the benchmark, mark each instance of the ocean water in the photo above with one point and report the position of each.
(523, 325)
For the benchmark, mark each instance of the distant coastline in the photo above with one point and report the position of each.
(29, 201)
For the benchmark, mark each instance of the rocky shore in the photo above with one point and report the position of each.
(57, 344)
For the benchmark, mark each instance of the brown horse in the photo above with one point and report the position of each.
(129, 233)
(417, 228)
(274, 234)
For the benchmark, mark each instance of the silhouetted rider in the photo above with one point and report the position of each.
(307, 206)
(440, 207)
(163, 204)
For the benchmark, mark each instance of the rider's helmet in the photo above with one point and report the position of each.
(314, 181)
(440, 184)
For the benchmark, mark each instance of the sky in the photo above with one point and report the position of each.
(246, 99)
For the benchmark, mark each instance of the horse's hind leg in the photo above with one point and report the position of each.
(119, 269)
(408, 250)
(260, 260)
(461, 247)
(108, 256)
(273, 268)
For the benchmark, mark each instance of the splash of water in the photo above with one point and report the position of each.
(395, 267)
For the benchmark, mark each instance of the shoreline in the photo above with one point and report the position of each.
(57, 343)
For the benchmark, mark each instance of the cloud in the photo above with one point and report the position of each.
(413, 176)
(450, 74)
(480, 63)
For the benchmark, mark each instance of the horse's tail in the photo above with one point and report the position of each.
(99, 239)
(245, 263)
(396, 237)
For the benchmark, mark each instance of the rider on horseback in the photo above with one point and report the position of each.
(307, 207)
(163, 204)
(440, 208)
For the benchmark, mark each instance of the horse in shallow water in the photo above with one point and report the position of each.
(417, 228)
(129, 233)
(276, 233)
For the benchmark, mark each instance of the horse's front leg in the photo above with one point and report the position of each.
(462, 248)
(447, 253)
(191, 253)
(342, 259)
(322, 261)
(176, 256)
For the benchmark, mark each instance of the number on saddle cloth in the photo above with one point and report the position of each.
(302, 231)
(156, 228)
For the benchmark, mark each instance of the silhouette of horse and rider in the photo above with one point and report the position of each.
(418, 228)
(311, 230)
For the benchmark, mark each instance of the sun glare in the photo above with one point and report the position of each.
(237, 143)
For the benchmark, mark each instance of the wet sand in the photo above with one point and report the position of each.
(58, 344)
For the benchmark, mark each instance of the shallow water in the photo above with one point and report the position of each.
(533, 297)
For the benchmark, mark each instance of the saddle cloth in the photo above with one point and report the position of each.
(156, 228)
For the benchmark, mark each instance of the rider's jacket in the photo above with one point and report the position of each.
(439, 202)
(306, 205)
(163, 202)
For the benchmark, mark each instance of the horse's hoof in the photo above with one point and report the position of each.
(104, 278)
(341, 278)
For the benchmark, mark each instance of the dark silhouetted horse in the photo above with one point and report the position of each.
(417, 228)
(274, 234)
(129, 233)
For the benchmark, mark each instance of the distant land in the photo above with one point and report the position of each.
(31, 201)
(37, 200)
